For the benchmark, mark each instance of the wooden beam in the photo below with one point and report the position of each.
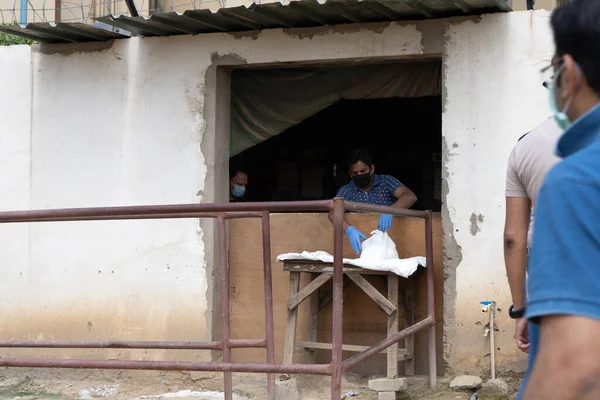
(317, 266)
(392, 326)
(292, 320)
(295, 300)
(313, 319)
(373, 293)
(409, 320)
(328, 296)
(402, 355)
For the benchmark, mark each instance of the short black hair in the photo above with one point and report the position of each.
(357, 155)
(576, 27)
(234, 172)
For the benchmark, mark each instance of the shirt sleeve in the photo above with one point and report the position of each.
(514, 185)
(341, 192)
(392, 184)
(564, 277)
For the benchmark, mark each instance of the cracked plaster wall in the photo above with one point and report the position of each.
(140, 121)
(493, 95)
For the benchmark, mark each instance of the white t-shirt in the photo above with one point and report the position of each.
(529, 162)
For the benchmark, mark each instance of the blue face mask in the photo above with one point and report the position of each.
(238, 191)
(561, 117)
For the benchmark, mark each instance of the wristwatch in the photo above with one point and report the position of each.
(516, 314)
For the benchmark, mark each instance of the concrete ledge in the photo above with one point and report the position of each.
(388, 385)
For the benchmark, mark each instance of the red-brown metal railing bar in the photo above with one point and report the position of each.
(317, 369)
(224, 281)
(398, 212)
(338, 289)
(150, 211)
(268, 291)
(122, 344)
(430, 300)
(243, 210)
(384, 344)
(247, 343)
(229, 215)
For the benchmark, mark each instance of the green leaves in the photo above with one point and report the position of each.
(6, 39)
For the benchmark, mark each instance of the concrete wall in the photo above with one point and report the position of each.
(98, 136)
(493, 95)
(146, 121)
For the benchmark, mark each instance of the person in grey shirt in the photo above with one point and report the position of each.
(529, 162)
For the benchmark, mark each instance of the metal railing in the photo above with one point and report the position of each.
(222, 212)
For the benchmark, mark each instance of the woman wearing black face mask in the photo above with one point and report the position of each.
(368, 187)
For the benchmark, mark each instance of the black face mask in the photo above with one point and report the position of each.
(362, 180)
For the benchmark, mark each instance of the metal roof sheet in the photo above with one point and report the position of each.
(295, 14)
(47, 32)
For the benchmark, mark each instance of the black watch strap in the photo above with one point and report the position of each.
(516, 314)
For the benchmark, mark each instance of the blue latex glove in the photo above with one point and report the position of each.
(354, 235)
(385, 222)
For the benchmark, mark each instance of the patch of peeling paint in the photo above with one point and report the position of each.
(475, 220)
(72, 48)
(309, 33)
(246, 34)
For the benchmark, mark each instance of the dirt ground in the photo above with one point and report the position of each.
(124, 385)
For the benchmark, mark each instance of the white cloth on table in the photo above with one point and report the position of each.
(403, 267)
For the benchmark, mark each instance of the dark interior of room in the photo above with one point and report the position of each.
(309, 160)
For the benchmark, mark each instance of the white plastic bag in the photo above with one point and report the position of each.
(379, 247)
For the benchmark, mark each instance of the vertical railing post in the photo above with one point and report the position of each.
(268, 288)
(430, 300)
(224, 281)
(338, 288)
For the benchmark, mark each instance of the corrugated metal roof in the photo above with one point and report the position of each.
(47, 32)
(296, 14)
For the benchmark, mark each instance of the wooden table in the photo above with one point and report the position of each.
(321, 273)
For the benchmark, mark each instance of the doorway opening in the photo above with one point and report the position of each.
(291, 132)
(309, 160)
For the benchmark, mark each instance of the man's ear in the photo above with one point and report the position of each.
(372, 168)
(570, 77)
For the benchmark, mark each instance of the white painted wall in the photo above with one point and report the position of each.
(494, 95)
(125, 125)
(104, 132)
(15, 171)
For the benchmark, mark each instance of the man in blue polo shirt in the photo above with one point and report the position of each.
(564, 272)
(367, 187)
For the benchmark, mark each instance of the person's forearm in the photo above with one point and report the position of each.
(407, 200)
(515, 258)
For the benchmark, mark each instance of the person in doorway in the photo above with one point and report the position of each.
(367, 187)
(237, 186)
(564, 275)
(529, 162)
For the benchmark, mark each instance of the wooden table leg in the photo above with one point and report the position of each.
(409, 318)
(312, 321)
(392, 326)
(292, 321)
